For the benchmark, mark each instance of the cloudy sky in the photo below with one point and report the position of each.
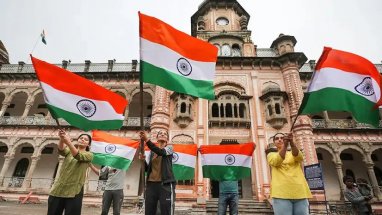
(99, 30)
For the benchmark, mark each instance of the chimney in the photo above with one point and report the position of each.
(64, 64)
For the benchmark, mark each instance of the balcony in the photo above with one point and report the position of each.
(341, 124)
(43, 121)
(229, 122)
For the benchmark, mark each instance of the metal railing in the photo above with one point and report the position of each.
(340, 124)
(13, 181)
(42, 183)
(75, 67)
(38, 120)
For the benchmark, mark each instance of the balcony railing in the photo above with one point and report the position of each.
(340, 124)
(229, 122)
(38, 120)
(13, 181)
(80, 67)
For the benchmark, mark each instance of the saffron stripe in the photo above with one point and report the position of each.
(157, 31)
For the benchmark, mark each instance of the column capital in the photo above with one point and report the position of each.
(369, 165)
(35, 158)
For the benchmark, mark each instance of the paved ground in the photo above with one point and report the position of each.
(13, 208)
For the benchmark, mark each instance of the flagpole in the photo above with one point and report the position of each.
(142, 145)
(35, 44)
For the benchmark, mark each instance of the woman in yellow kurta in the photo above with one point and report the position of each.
(67, 192)
(289, 189)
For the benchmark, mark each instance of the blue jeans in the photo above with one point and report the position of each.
(230, 199)
(290, 206)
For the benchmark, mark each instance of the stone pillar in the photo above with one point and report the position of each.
(160, 119)
(26, 110)
(373, 179)
(7, 162)
(28, 179)
(4, 108)
(60, 161)
(340, 177)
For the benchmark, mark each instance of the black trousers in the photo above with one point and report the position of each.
(115, 196)
(164, 193)
(71, 206)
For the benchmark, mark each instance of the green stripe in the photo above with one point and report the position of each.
(111, 160)
(83, 123)
(177, 83)
(225, 173)
(335, 99)
(183, 172)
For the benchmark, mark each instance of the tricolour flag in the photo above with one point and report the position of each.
(80, 102)
(344, 82)
(184, 160)
(112, 151)
(43, 39)
(174, 60)
(226, 162)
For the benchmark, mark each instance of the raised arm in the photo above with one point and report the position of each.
(64, 137)
(94, 169)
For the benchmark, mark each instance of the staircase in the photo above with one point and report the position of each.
(246, 206)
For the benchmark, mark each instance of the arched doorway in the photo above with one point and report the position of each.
(19, 172)
(330, 176)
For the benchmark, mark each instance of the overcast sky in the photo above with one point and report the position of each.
(99, 30)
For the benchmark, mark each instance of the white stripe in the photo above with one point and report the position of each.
(163, 57)
(147, 156)
(336, 78)
(219, 160)
(186, 160)
(121, 150)
(68, 102)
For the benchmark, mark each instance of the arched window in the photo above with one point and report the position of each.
(235, 110)
(278, 109)
(21, 168)
(215, 110)
(226, 50)
(228, 110)
(236, 52)
(183, 107)
(221, 110)
(241, 110)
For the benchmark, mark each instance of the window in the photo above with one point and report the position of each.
(278, 109)
(236, 50)
(346, 157)
(21, 168)
(183, 107)
(222, 21)
(221, 110)
(226, 50)
(215, 110)
(242, 110)
(27, 150)
(270, 112)
(228, 110)
(47, 150)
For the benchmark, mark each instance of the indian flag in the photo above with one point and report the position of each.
(226, 162)
(112, 151)
(344, 82)
(80, 102)
(174, 60)
(184, 160)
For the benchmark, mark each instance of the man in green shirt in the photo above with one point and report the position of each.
(228, 196)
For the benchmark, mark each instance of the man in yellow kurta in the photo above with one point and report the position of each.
(289, 189)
